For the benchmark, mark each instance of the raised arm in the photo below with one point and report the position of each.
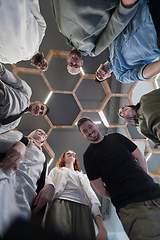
(140, 159)
(124, 12)
(100, 187)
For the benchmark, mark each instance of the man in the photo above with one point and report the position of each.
(22, 30)
(118, 170)
(90, 26)
(15, 97)
(39, 61)
(133, 52)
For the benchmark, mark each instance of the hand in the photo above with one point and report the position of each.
(13, 157)
(44, 196)
(129, 3)
(102, 235)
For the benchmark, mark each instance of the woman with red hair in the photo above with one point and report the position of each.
(69, 192)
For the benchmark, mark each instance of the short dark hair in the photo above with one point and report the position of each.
(47, 109)
(82, 120)
(37, 58)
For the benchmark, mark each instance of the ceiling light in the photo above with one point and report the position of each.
(81, 69)
(96, 122)
(103, 118)
(148, 156)
(50, 162)
(49, 95)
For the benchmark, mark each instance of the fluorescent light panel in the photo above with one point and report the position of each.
(82, 71)
(49, 95)
(103, 118)
(50, 162)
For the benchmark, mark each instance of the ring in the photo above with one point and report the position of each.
(8, 157)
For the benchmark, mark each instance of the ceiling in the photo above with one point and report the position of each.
(72, 96)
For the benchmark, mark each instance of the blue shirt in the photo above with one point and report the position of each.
(135, 47)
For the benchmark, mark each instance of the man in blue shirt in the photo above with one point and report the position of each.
(133, 52)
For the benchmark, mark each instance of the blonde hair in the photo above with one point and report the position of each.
(31, 140)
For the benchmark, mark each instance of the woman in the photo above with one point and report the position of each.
(145, 115)
(69, 215)
(18, 188)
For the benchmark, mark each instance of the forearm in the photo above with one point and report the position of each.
(151, 69)
(102, 232)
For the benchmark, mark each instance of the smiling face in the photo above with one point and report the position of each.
(91, 132)
(74, 62)
(37, 108)
(40, 135)
(126, 111)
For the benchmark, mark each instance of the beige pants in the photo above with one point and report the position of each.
(141, 221)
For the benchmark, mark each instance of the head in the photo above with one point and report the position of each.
(38, 135)
(38, 109)
(68, 155)
(127, 113)
(39, 61)
(74, 62)
(89, 130)
(102, 72)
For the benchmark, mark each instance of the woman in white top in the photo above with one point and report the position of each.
(73, 200)
(18, 185)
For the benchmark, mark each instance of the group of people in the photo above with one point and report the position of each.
(114, 165)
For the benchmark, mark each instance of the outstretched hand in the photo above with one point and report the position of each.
(13, 157)
(44, 196)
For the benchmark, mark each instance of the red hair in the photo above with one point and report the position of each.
(61, 162)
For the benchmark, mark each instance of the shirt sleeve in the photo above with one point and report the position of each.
(118, 21)
(128, 143)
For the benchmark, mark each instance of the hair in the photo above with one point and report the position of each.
(61, 162)
(131, 120)
(82, 120)
(37, 58)
(47, 109)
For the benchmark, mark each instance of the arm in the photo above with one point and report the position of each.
(102, 233)
(44, 196)
(151, 69)
(14, 81)
(100, 187)
(140, 159)
(118, 21)
(13, 157)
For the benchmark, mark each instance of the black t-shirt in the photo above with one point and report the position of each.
(112, 160)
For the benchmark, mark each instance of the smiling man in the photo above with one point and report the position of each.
(118, 170)
(15, 97)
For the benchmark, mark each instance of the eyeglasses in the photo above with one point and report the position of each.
(76, 65)
(71, 153)
(42, 133)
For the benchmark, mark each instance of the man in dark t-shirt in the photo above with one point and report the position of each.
(117, 169)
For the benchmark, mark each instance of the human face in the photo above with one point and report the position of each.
(43, 65)
(126, 112)
(40, 135)
(38, 108)
(90, 131)
(74, 61)
(102, 73)
(70, 157)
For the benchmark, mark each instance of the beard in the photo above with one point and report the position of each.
(74, 51)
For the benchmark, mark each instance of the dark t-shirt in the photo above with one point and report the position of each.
(112, 160)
